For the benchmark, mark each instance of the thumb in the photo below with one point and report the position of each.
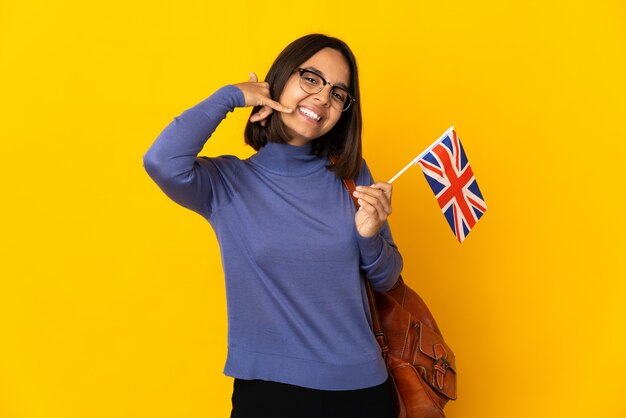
(253, 78)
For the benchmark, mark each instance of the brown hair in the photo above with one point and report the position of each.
(344, 139)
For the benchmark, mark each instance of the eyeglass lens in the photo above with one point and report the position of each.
(312, 83)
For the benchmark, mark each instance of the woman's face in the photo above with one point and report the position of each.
(313, 115)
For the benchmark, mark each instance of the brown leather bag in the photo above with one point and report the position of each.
(421, 364)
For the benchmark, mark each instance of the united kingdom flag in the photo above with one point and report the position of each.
(452, 180)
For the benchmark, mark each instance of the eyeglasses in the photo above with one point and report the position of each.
(311, 82)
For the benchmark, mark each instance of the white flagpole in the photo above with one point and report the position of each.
(419, 157)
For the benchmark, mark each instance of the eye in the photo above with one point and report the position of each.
(339, 95)
(310, 78)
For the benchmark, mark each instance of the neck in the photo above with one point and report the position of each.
(288, 159)
(298, 142)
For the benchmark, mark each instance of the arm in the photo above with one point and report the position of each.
(172, 160)
(380, 261)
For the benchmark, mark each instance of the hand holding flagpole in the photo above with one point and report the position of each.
(452, 180)
(419, 157)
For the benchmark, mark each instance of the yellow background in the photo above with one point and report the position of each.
(112, 296)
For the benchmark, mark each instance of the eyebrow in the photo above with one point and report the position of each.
(319, 72)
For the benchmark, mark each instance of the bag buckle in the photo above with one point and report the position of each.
(440, 367)
(442, 364)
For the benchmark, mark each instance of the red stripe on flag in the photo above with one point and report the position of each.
(457, 151)
(475, 203)
(431, 167)
(455, 191)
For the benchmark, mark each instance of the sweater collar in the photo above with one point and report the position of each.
(288, 160)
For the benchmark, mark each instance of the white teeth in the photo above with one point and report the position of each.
(310, 113)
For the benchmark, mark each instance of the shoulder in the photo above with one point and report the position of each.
(365, 175)
(222, 160)
(224, 164)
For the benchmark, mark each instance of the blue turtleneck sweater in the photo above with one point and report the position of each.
(292, 257)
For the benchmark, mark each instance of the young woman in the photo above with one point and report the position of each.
(294, 251)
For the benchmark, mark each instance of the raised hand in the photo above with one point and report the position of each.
(258, 94)
(375, 201)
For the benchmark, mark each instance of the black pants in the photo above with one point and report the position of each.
(262, 399)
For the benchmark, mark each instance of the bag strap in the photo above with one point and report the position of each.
(376, 325)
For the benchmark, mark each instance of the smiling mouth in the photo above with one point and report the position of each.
(310, 114)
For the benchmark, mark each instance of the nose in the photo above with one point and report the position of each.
(323, 96)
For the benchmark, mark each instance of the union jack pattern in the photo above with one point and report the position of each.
(451, 178)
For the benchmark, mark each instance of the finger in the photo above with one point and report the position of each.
(377, 194)
(371, 210)
(261, 114)
(377, 202)
(385, 188)
(277, 106)
(381, 211)
(253, 78)
(265, 112)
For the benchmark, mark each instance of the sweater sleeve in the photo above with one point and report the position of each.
(172, 161)
(380, 259)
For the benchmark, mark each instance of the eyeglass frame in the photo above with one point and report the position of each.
(351, 100)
